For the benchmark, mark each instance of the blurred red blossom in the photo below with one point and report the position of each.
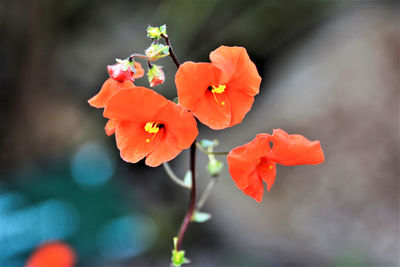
(54, 254)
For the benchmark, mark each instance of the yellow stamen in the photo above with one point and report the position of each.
(218, 90)
(153, 128)
(270, 167)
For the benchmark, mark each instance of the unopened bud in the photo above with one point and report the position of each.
(156, 32)
(157, 51)
(155, 75)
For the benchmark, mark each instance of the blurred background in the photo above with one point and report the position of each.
(330, 72)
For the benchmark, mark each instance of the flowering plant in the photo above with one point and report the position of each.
(219, 94)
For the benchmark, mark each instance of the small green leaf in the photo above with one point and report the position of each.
(176, 100)
(200, 217)
(163, 29)
(188, 179)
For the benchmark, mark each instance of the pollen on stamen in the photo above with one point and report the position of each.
(270, 167)
(147, 140)
(223, 103)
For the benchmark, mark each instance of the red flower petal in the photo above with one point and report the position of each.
(131, 141)
(165, 151)
(255, 189)
(237, 69)
(179, 122)
(213, 114)
(110, 127)
(55, 254)
(109, 88)
(266, 169)
(139, 70)
(240, 105)
(243, 160)
(192, 82)
(139, 105)
(295, 149)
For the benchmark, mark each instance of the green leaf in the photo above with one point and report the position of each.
(176, 100)
(200, 217)
(188, 178)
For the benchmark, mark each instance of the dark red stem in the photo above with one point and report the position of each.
(192, 200)
(171, 51)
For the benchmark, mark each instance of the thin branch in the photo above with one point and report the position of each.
(210, 186)
(173, 176)
(171, 51)
(209, 153)
(132, 57)
(192, 200)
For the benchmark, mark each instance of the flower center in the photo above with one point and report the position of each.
(153, 128)
(217, 90)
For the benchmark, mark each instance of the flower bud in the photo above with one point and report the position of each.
(125, 70)
(214, 167)
(157, 51)
(155, 75)
(156, 32)
(178, 256)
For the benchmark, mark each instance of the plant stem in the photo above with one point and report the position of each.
(192, 201)
(132, 57)
(209, 153)
(171, 51)
(173, 176)
(210, 186)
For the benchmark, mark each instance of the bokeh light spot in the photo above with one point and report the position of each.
(92, 165)
(126, 237)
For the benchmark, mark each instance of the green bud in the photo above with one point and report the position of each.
(155, 32)
(214, 167)
(157, 51)
(178, 256)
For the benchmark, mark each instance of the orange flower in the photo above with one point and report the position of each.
(219, 93)
(255, 161)
(55, 254)
(148, 125)
(119, 79)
